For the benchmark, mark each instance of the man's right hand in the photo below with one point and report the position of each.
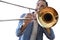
(30, 16)
(26, 22)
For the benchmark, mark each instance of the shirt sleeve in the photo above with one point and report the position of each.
(18, 31)
(50, 36)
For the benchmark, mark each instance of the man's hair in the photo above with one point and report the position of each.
(44, 1)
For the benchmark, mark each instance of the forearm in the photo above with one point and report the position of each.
(20, 29)
(50, 35)
(18, 32)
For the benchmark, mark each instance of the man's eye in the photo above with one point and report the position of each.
(42, 6)
(37, 4)
(35, 9)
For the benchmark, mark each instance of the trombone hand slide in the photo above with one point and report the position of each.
(15, 19)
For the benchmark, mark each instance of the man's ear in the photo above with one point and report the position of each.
(46, 4)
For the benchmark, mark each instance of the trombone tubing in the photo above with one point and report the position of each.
(16, 5)
(15, 19)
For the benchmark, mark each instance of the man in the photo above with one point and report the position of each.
(30, 29)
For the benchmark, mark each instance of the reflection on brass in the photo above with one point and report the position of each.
(47, 17)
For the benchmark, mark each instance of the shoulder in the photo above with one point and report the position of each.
(22, 15)
(25, 14)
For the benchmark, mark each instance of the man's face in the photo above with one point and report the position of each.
(40, 5)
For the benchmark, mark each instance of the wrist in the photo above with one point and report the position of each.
(48, 30)
(23, 27)
(25, 24)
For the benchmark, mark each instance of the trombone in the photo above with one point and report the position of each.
(46, 17)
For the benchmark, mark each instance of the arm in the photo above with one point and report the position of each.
(20, 24)
(49, 33)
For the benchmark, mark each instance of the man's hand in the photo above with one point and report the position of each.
(30, 16)
(26, 22)
(48, 30)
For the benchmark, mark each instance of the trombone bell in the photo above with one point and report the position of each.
(47, 17)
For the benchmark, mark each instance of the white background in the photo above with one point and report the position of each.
(7, 29)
